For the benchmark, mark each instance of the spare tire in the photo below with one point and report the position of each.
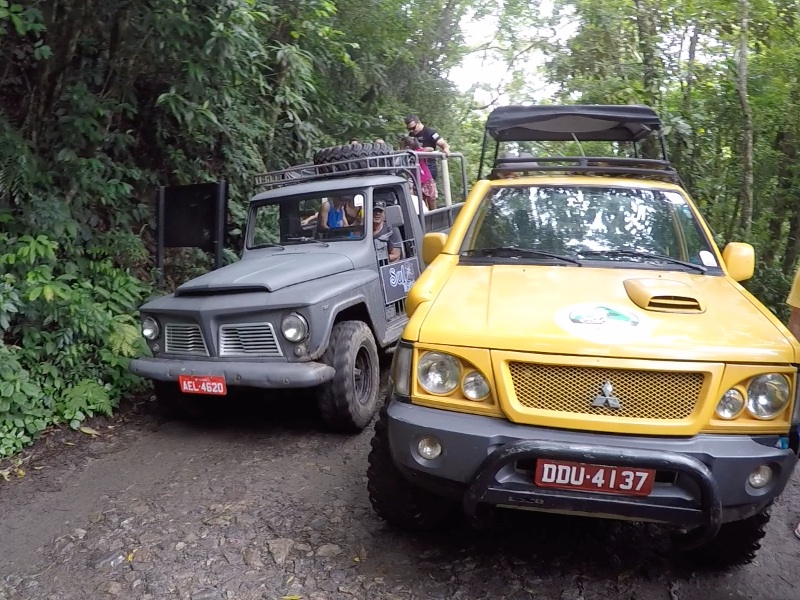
(350, 152)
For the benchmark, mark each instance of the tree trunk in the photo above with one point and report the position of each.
(746, 195)
(793, 243)
(690, 141)
(784, 145)
(648, 37)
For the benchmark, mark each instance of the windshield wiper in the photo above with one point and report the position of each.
(270, 245)
(306, 240)
(648, 255)
(513, 251)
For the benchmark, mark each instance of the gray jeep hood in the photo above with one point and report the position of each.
(271, 272)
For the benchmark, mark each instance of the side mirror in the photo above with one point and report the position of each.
(740, 260)
(432, 246)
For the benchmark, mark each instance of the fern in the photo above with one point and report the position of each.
(125, 339)
(85, 399)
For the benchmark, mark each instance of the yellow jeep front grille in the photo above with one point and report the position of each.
(663, 395)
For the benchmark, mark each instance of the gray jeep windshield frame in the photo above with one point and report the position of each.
(295, 222)
(598, 225)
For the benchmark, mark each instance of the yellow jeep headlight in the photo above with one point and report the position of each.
(475, 386)
(731, 405)
(438, 373)
(767, 395)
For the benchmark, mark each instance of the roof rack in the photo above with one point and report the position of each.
(579, 123)
(385, 164)
(588, 165)
(582, 122)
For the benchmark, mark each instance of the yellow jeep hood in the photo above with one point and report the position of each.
(622, 313)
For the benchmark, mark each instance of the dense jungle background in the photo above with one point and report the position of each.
(101, 101)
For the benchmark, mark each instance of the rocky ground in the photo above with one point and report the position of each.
(265, 504)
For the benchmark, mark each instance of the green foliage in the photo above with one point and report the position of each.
(68, 332)
(101, 101)
(682, 58)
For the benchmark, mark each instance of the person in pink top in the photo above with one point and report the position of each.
(429, 191)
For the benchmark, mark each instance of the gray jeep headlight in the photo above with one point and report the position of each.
(294, 327)
(150, 329)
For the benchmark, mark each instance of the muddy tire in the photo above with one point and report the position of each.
(736, 544)
(178, 405)
(349, 401)
(351, 152)
(393, 497)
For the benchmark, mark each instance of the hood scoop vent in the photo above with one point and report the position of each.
(664, 295)
(674, 304)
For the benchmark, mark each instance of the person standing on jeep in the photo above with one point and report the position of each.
(332, 214)
(383, 231)
(429, 139)
(793, 301)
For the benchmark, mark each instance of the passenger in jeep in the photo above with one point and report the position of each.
(332, 214)
(385, 232)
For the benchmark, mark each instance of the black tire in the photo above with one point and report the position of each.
(349, 401)
(736, 544)
(179, 405)
(393, 497)
(353, 151)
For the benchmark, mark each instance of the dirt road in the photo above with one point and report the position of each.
(269, 506)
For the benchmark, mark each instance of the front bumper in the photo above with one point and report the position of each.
(268, 375)
(703, 478)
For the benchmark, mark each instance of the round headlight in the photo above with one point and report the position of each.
(767, 395)
(294, 327)
(150, 329)
(730, 405)
(475, 386)
(438, 373)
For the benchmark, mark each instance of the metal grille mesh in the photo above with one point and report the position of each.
(665, 395)
(251, 339)
(184, 339)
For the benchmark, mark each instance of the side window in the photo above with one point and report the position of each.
(265, 226)
(390, 196)
(696, 245)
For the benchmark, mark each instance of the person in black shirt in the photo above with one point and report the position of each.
(429, 139)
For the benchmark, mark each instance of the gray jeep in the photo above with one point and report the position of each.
(307, 306)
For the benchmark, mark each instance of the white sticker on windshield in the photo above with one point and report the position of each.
(708, 259)
(358, 200)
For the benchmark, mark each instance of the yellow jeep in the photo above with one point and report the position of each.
(580, 345)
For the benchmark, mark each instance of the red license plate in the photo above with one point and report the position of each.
(594, 478)
(212, 385)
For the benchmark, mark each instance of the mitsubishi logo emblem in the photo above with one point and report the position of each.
(605, 398)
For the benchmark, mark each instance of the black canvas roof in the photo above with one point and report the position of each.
(588, 122)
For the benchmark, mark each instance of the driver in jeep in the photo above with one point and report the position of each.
(381, 230)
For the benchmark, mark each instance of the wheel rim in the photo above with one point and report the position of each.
(362, 376)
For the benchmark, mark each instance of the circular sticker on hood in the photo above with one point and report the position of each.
(602, 323)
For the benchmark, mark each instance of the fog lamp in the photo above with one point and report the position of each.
(429, 448)
(760, 477)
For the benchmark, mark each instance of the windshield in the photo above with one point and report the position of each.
(307, 219)
(589, 223)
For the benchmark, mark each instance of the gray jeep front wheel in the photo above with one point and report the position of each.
(348, 401)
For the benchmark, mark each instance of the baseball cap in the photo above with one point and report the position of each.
(379, 205)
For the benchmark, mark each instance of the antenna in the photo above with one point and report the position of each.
(574, 137)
